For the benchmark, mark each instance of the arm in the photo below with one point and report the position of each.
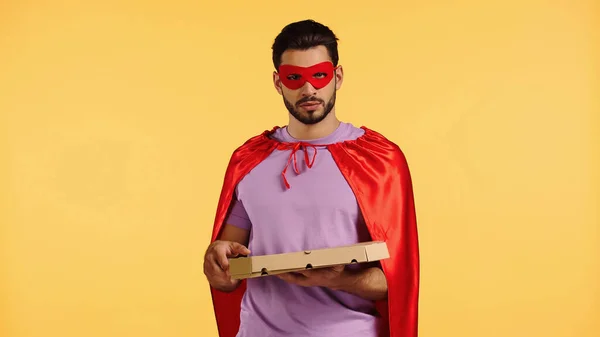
(232, 242)
(369, 283)
(237, 227)
(235, 234)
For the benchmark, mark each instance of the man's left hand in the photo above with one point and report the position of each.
(330, 277)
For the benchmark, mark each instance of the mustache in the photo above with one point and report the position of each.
(309, 99)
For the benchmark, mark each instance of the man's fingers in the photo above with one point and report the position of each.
(237, 248)
(223, 263)
(288, 277)
(295, 278)
(212, 266)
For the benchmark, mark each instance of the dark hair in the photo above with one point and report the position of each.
(303, 35)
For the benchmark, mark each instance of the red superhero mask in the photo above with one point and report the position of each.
(294, 77)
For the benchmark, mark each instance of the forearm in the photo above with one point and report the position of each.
(369, 283)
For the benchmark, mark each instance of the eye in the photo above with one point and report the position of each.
(293, 77)
(321, 75)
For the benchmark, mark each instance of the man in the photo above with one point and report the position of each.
(316, 183)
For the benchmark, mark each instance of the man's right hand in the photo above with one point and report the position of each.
(216, 265)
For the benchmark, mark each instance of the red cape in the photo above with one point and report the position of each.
(377, 171)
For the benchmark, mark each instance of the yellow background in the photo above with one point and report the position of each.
(118, 118)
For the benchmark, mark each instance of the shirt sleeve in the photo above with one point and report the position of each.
(238, 216)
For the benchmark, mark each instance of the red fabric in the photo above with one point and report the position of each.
(378, 173)
(288, 73)
(294, 147)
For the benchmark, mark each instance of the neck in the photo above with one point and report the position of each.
(322, 129)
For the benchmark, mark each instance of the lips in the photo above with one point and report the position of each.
(310, 104)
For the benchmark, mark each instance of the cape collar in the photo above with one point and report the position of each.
(295, 146)
(266, 135)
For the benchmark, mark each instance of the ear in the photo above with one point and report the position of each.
(277, 82)
(339, 77)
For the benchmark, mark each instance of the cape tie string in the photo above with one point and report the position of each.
(295, 147)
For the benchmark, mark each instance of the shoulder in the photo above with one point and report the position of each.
(376, 138)
(259, 139)
(259, 145)
(249, 154)
(388, 153)
(378, 147)
(374, 135)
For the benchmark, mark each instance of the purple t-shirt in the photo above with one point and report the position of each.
(319, 210)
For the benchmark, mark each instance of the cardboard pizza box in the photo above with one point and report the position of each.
(263, 265)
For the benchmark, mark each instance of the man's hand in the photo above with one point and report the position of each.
(369, 283)
(216, 265)
(330, 277)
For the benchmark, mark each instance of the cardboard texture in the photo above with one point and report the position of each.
(263, 265)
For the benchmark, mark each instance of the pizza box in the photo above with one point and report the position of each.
(263, 265)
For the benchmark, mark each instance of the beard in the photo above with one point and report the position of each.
(311, 117)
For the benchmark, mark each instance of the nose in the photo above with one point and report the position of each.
(308, 90)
